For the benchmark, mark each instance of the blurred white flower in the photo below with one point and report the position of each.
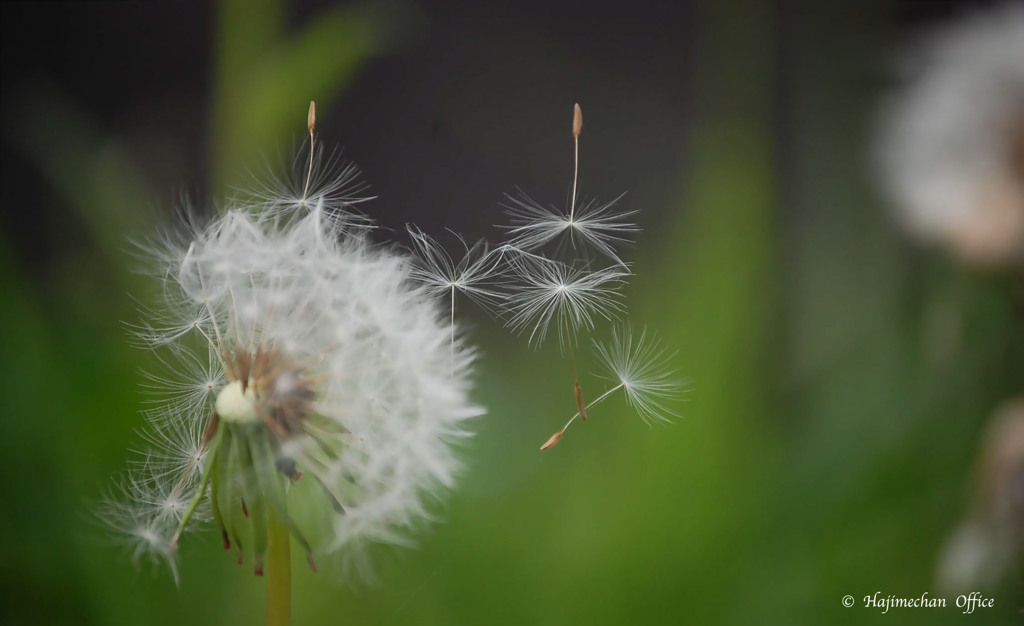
(295, 350)
(951, 150)
(984, 547)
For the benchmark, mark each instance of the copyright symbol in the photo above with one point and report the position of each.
(847, 601)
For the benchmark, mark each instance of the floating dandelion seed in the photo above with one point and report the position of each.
(641, 369)
(571, 294)
(549, 292)
(550, 289)
(320, 183)
(597, 225)
(301, 352)
(443, 276)
(472, 275)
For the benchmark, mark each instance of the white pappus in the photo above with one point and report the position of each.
(300, 357)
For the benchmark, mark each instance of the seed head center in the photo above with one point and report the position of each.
(235, 405)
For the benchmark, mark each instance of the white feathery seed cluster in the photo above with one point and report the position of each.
(951, 146)
(354, 379)
(548, 275)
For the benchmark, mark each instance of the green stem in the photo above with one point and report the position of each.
(279, 571)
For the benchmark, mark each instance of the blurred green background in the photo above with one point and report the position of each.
(841, 377)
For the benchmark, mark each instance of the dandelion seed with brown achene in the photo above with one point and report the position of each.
(640, 368)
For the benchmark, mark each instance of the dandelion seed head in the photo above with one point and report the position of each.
(235, 404)
(290, 347)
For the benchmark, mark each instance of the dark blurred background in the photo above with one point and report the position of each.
(842, 377)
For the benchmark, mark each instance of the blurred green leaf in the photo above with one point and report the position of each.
(266, 80)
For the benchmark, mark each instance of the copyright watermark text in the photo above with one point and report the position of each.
(968, 603)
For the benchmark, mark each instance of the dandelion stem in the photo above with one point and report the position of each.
(279, 571)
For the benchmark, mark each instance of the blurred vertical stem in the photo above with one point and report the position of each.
(265, 77)
(727, 305)
(246, 31)
(96, 176)
(279, 571)
(720, 264)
